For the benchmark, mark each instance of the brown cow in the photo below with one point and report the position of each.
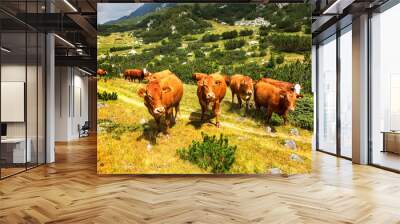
(158, 75)
(133, 74)
(101, 72)
(210, 89)
(283, 85)
(274, 99)
(161, 96)
(242, 87)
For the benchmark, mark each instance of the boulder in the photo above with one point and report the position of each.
(294, 132)
(275, 171)
(295, 157)
(290, 144)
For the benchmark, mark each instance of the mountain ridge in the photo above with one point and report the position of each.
(141, 11)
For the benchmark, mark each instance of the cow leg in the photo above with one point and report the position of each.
(269, 115)
(203, 111)
(247, 105)
(233, 96)
(217, 112)
(168, 122)
(285, 119)
(158, 122)
(239, 100)
(171, 115)
(177, 110)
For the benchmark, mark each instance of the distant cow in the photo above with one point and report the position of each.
(283, 85)
(161, 96)
(133, 74)
(211, 89)
(242, 87)
(158, 75)
(101, 72)
(274, 99)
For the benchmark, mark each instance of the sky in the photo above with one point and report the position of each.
(112, 11)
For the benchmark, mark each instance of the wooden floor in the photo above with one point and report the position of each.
(69, 191)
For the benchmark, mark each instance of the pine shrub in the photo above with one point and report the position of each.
(212, 154)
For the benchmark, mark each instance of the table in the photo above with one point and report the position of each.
(391, 141)
(16, 147)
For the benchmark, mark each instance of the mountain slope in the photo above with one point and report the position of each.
(141, 11)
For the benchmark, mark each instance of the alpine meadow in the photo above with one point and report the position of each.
(205, 89)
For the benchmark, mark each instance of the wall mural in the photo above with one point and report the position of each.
(204, 88)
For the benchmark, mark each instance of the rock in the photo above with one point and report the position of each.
(149, 147)
(240, 119)
(268, 129)
(290, 144)
(142, 121)
(100, 105)
(294, 132)
(275, 171)
(295, 157)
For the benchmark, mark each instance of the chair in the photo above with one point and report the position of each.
(84, 130)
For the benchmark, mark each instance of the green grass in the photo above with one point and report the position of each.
(257, 151)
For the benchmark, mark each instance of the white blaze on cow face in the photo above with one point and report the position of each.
(159, 110)
(246, 88)
(207, 84)
(297, 88)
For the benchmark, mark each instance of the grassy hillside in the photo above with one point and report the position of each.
(127, 143)
(175, 38)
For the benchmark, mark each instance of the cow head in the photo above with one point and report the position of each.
(289, 98)
(296, 88)
(198, 77)
(152, 95)
(207, 84)
(246, 88)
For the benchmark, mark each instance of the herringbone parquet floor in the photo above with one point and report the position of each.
(70, 191)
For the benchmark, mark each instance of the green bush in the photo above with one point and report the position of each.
(113, 49)
(290, 43)
(263, 31)
(199, 54)
(263, 43)
(229, 34)
(279, 59)
(297, 72)
(107, 96)
(302, 116)
(212, 154)
(246, 32)
(210, 37)
(234, 44)
(189, 38)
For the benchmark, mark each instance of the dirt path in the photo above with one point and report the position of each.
(229, 125)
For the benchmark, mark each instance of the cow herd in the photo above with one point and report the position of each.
(164, 90)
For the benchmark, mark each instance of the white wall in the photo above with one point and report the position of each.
(71, 102)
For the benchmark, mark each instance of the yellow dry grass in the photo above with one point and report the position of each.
(139, 151)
